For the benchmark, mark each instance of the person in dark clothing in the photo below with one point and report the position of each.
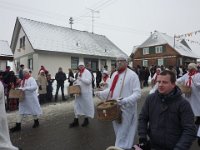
(21, 71)
(71, 74)
(7, 86)
(70, 79)
(49, 87)
(166, 117)
(98, 78)
(146, 78)
(12, 104)
(60, 77)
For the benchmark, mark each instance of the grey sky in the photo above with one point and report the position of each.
(125, 22)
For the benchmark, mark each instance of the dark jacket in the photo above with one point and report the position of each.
(60, 77)
(168, 121)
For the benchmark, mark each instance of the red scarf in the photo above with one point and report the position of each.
(191, 73)
(25, 77)
(81, 71)
(115, 81)
(105, 78)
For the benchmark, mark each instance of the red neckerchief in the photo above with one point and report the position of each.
(105, 78)
(191, 73)
(115, 81)
(81, 71)
(23, 81)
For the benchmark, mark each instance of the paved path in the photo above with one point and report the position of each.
(54, 133)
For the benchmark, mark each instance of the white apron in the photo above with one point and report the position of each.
(194, 99)
(30, 105)
(131, 92)
(5, 143)
(84, 104)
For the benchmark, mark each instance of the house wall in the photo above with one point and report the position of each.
(52, 62)
(3, 64)
(27, 49)
(170, 56)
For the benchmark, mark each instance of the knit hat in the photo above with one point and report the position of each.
(192, 66)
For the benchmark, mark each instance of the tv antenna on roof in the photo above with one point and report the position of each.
(93, 11)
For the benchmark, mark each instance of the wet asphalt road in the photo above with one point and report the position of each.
(54, 132)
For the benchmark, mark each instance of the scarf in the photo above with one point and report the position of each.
(25, 78)
(115, 81)
(105, 78)
(81, 71)
(191, 73)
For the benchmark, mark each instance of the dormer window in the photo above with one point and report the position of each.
(159, 49)
(22, 42)
(145, 50)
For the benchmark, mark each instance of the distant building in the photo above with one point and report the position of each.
(161, 49)
(5, 54)
(36, 43)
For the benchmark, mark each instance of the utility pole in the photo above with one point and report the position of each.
(71, 21)
(93, 11)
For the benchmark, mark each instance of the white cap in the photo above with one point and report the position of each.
(122, 57)
(105, 72)
(81, 64)
(192, 66)
(26, 70)
(41, 71)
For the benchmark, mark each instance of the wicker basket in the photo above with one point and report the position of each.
(75, 89)
(16, 93)
(108, 111)
(185, 89)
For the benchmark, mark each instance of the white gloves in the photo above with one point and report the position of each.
(97, 93)
(71, 79)
(121, 101)
(22, 88)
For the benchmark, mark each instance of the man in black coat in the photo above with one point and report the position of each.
(166, 118)
(60, 77)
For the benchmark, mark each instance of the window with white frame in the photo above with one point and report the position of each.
(159, 49)
(22, 42)
(145, 50)
(30, 63)
(160, 62)
(145, 63)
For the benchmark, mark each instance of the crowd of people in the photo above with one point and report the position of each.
(166, 120)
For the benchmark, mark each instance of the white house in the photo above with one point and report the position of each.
(5, 54)
(37, 43)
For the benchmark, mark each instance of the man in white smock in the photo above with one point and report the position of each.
(5, 143)
(83, 104)
(30, 105)
(192, 79)
(125, 86)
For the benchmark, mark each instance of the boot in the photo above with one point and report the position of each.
(16, 128)
(198, 141)
(56, 98)
(36, 123)
(75, 123)
(85, 122)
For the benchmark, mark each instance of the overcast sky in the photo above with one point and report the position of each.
(125, 22)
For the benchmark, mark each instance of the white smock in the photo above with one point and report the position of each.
(131, 93)
(5, 143)
(30, 105)
(84, 104)
(194, 99)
